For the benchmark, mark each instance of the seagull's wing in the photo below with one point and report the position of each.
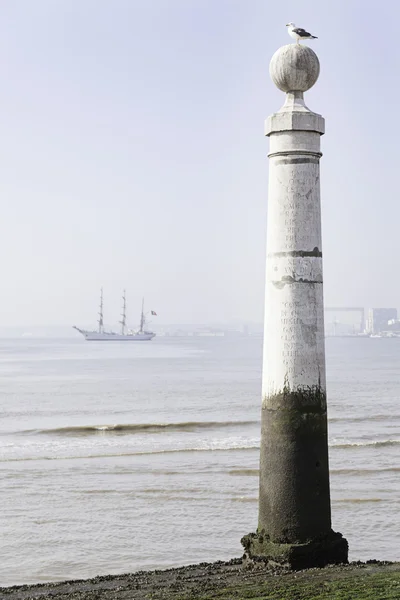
(301, 32)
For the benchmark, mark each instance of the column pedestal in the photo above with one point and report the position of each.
(331, 549)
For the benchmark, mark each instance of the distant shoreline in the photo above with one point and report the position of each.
(226, 580)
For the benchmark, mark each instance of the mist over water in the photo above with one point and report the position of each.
(118, 457)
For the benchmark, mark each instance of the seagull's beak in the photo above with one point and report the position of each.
(287, 25)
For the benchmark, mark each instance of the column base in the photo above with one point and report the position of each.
(331, 549)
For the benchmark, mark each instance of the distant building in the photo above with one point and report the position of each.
(378, 319)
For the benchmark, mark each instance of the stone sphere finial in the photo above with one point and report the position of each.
(294, 68)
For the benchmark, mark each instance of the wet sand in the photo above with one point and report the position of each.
(226, 580)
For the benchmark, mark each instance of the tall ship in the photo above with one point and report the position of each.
(125, 335)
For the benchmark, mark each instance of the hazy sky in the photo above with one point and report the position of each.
(132, 154)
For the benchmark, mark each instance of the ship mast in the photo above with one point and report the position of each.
(123, 315)
(142, 318)
(100, 321)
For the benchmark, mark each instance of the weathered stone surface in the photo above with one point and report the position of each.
(318, 552)
(294, 68)
(294, 504)
(294, 121)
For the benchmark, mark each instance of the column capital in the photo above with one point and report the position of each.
(294, 121)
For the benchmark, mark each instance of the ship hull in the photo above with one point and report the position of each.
(94, 336)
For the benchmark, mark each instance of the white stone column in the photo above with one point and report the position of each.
(294, 318)
(294, 507)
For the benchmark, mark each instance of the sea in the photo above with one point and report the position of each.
(117, 457)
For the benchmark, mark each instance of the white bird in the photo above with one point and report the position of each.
(297, 33)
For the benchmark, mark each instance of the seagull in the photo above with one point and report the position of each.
(297, 33)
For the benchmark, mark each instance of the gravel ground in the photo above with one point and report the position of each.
(227, 580)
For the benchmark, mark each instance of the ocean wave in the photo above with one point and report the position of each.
(364, 472)
(244, 499)
(360, 419)
(378, 444)
(358, 500)
(227, 445)
(161, 491)
(244, 472)
(241, 447)
(361, 472)
(189, 426)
